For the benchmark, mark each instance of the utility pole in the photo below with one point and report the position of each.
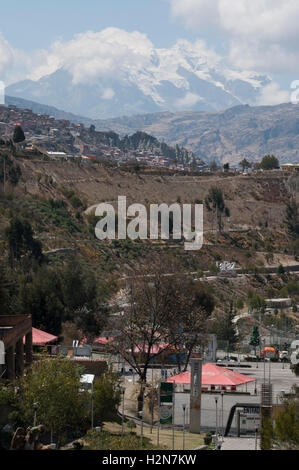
(266, 409)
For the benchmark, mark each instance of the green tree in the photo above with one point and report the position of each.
(107, 397)
(267, 434)
(92, 129)
(224, 328)
(12, 171)
(280, 270)
(255, 338)
(21, 241)
(215, 202)
(269, 162)
(245, 164)
(239, 303)
(256, 302)
(84, 301)
(292, 218)
(55, 386)
(18, 135)
(41, 296)
(286, 426)
(4, 290)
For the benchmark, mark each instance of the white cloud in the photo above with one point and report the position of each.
(262, 34)
(189, 100)
(108, 94)
(196, 13)
(11, 60)
(93, 54)
(15, 64)
(272, 95)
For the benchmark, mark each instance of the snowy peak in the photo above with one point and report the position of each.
(187, 76)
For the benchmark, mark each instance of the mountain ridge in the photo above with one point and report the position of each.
(227, 136)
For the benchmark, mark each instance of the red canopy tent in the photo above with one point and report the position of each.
(214, 376)
(41, 338)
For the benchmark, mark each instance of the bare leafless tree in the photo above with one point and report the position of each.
(165, 312)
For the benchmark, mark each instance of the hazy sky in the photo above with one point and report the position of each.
(259, 35)
(38, 23)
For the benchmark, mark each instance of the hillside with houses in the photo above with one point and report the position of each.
(59, 138)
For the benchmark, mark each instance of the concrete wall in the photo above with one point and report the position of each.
(208, 409)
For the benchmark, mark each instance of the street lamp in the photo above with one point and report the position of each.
(184, 423)
(222, 418)
(92, 397)
(122, 389)
(256, 434)
(216, 403)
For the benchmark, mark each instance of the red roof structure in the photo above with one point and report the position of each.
(41, 338)
(213, 376)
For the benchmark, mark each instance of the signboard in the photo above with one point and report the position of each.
(227, 269)
(166, 392)
(166, 413)
(166, 402)
(251, 411)
(226, 266)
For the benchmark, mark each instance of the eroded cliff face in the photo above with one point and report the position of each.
(292, 185)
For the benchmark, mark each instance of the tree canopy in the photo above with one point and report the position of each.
(215, 202)
(21, 241)
(244, 164)
(163, 310)
(270, 162)
(292, 218)
(55, 386)
(18, 135)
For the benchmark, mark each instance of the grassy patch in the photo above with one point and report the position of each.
(111, 439)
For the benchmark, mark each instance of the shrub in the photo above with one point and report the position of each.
(131, 424)
(208, 439)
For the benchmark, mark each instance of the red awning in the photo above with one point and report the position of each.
(214, 375)
(41, 338)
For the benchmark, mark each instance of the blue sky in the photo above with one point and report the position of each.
(258, 35)
(38, 23)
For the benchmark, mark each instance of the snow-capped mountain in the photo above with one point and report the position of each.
(180, 78)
